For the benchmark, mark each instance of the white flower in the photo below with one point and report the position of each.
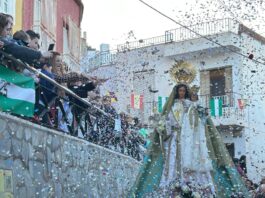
(177, 184)
(185, 188)
(196, 195)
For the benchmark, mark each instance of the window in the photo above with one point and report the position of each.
(65, 41)
(37, 12)
(5, 6)
(73, 39)
(44, 21)
(48, 16)
(231, 149)
(71, 44)
(217, 82)
(8, 6)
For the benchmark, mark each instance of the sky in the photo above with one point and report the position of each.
(117, 21)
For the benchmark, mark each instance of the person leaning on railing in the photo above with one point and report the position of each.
(81, 86)
(34, 40)
(8, 45)
(23, 39)
(64, 116)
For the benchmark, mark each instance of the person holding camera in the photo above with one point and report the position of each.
(9, 46)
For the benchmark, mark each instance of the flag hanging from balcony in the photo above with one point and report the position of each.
(161, 102)
(17, 92)
(241, 103)
(216, 107)
(137, 101)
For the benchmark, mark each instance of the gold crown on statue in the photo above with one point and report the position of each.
(195, 89)
(183, 72)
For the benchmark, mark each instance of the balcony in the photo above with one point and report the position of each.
(101, 59)
(175, 35)
(232, 115)
(183, 34)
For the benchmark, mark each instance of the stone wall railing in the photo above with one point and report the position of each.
(47, 163)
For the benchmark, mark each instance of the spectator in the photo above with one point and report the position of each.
(262, 180)
(48, 88)
(65, 116)
(261, 191)
(22, 38)
(34, 39)
(73, 79)
(6, 18)
(242, 162)
(20, 52)
(107, 107)
(107, 136)
(46, 96)
(237, 165)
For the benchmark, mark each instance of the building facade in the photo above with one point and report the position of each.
(225, 71)
(57, 21)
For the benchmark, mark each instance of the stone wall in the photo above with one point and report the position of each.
(47, 163)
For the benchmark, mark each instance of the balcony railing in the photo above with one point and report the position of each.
(100, 59)
(66, 111)
(174, 35)
(182, 34)
(231, 113)
(227, 100)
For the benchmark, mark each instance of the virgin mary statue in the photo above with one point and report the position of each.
(187, 157)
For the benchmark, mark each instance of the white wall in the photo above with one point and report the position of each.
(239, 143)
(253, 88)
(248, 85)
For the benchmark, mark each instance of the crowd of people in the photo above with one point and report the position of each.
(95, 120)
(56, 108)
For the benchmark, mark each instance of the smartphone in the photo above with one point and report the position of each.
(51, 46)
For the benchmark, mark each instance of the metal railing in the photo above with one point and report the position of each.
(230, 108)
(233, 112)
(182, 34)
(101, 59)
(145, 43)
(174, 35)
(93, 121)
(228, 100)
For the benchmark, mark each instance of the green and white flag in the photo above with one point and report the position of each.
(216, 107)
(161, 102)
(17, 92)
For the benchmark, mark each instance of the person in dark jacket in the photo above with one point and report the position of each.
(20, 52)
(48, 88)
(22, 38)
(46, 95)
(34, 39)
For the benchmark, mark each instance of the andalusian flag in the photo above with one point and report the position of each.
(137, 101)
(17, 92)
(216, 107)
(161, 102)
